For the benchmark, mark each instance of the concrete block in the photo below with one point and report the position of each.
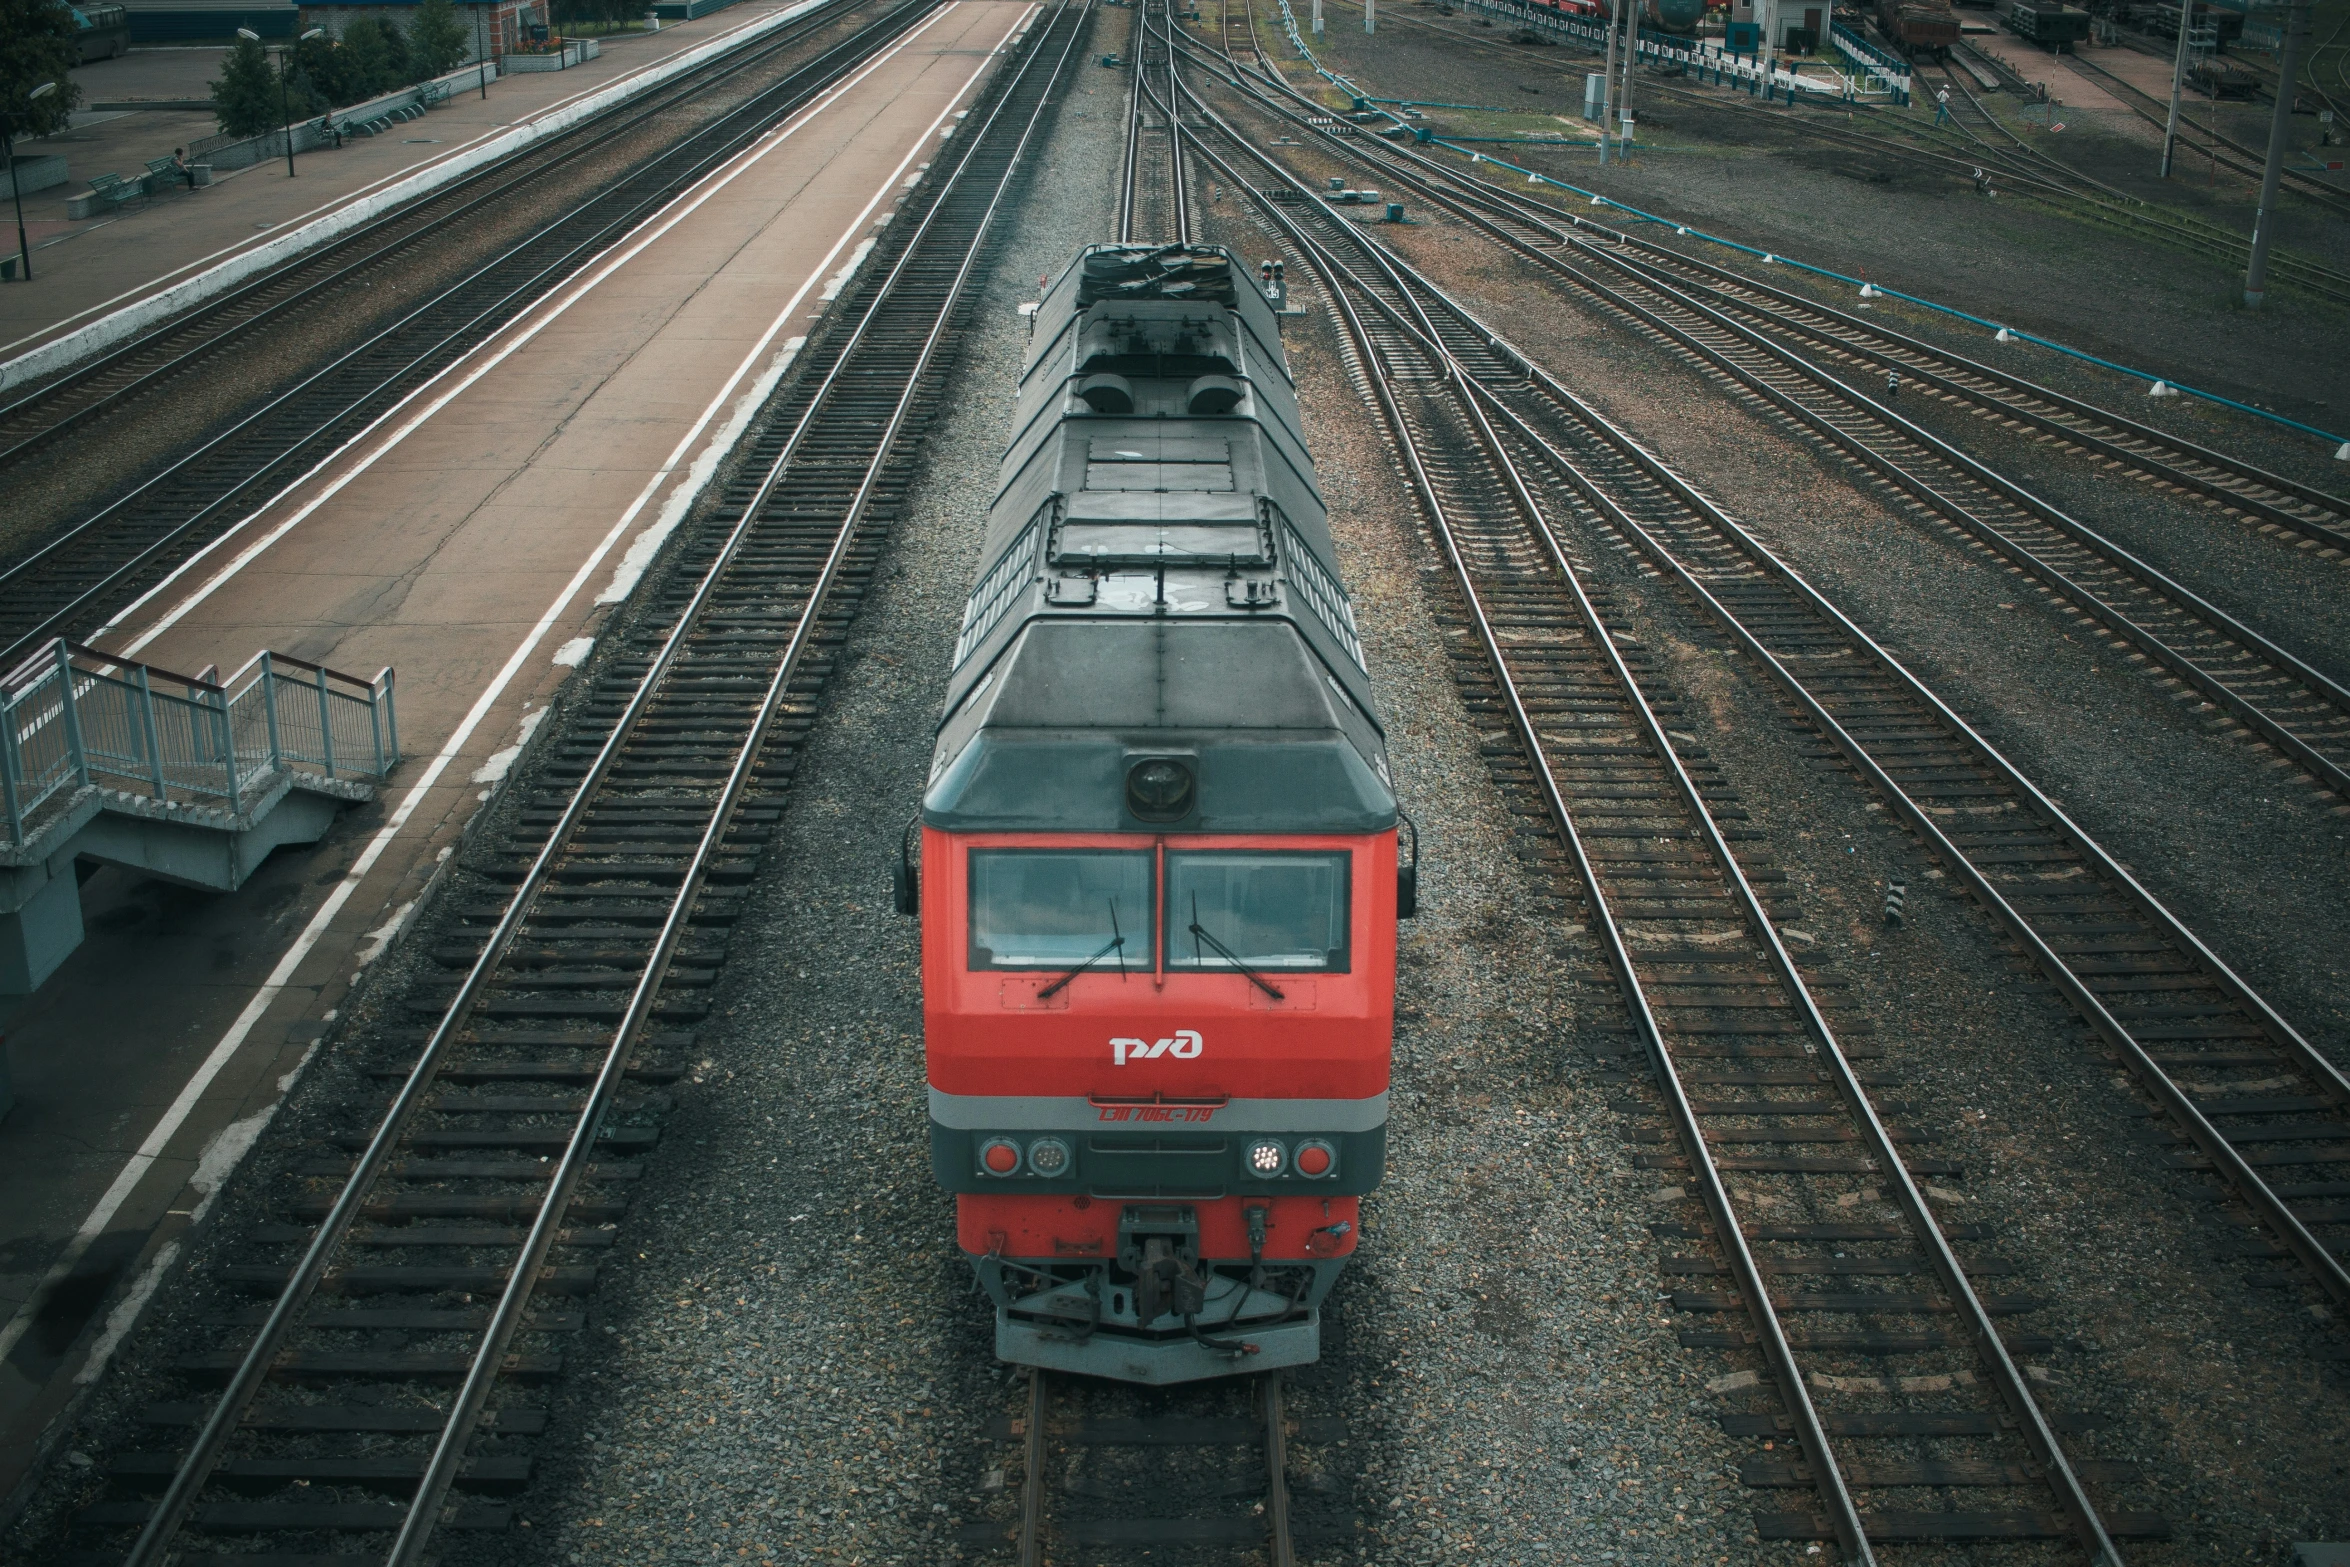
(44, 172)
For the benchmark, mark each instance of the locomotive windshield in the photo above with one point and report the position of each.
(1266, 910)
(1054, 908)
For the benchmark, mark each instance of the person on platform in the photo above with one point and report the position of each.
(181, 167)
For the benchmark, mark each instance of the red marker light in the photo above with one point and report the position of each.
(1313, 1159)
(1000, 1157)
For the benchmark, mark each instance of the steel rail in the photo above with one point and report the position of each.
(449, 1452)
(2220, 148)
(785, 98)
(2011, 396)
(2329, 1271)
(1132, 163)
(2149, 577)
(2006, 1375)
(567, 148)
(1178, 184)
(1516, 206)
(195, 1469)
(1778, 1353)
(2031, 181)
(2115, 619)
(2272, 1023)
(1029, 1548)
(1277, 1469)
(2166, 223)
(2228, 1162)
(1178, 192)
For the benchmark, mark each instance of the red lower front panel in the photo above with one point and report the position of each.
(1078, 1229)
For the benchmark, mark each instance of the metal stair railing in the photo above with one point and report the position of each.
(73, 718)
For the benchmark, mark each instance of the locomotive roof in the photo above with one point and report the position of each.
(1158, 575)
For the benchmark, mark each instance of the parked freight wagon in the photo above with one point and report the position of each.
(2163, 21)
(1919, 27)
(2052, 26)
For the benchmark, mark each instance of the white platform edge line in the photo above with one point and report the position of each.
(153, 1147)
(108, 330)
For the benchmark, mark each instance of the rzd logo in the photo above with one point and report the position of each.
(1182, 1047)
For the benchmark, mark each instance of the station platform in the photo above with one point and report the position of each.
(477, 547)
(84, 268)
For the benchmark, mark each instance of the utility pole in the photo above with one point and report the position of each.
(2178, 79)
(481, 48)
(24, 247)
(1607, 89)
(1631, 64)
(2280, 128)
(285, 102)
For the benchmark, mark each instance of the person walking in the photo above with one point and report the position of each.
(1942, 106)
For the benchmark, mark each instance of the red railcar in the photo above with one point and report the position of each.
(1158, 856)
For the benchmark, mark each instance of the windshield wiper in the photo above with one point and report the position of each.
(1116, 943)
(1199, 933)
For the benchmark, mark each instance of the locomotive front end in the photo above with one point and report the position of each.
(1158, 856)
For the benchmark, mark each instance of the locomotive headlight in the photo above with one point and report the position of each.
(999, 1156)
(1316, 1158)
(1266, 1157)
(1048, 1156)
(1159, 789)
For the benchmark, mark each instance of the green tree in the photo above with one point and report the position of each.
(245, 99)
(37, 45)
(437, 39)
(319, 63)
(375, 59)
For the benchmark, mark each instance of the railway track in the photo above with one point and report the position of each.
(2108, 945)
(1154, 208)
(72, 581)
(1997, 160)
(1767, 345)
(1750, 1072)
(150, 361)
(2222, 149)
(2015, 167)
(1522, 482)
(1101, 1465)
(423, 1274)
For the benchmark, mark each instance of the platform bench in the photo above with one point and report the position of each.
(108, 190)
(161, 176)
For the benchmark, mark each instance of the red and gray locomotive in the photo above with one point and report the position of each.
(1158, 875)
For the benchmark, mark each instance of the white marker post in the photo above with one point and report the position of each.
(1370, 16)
(1317, 18)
